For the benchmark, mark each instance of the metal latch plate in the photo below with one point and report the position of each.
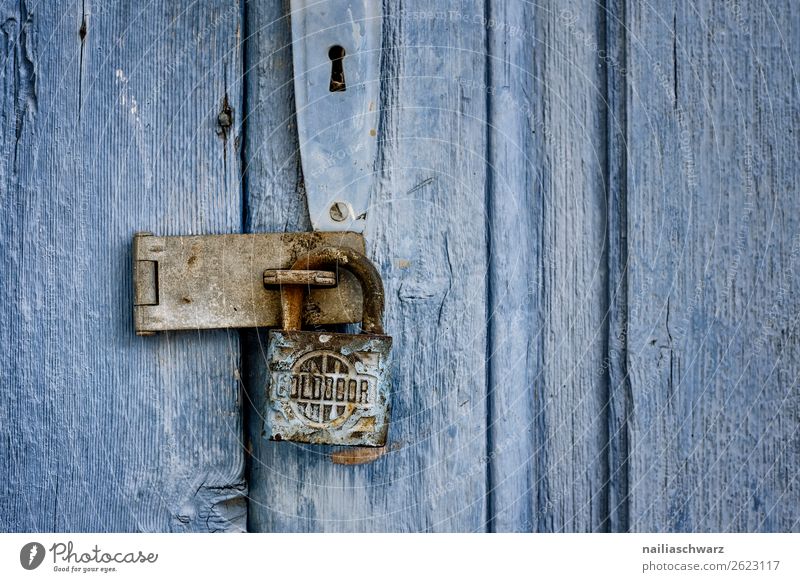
(217, 281)
(337, 128)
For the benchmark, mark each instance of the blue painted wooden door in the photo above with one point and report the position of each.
(587, 221)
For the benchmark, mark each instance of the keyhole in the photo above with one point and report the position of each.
(336, 55)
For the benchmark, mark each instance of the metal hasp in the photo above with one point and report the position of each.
(336, 48)
(233, 280)
(330, 388)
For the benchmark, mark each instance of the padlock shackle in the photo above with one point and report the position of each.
(332, 258)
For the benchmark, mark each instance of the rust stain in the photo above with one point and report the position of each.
(361, 455)
(326, 387)
(331, 258)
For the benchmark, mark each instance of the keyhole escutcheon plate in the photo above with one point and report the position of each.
(336, 48)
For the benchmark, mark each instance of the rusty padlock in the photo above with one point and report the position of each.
(330, 388)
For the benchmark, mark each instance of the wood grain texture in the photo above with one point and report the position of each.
(713, 266)
(427, 233)
(110, 125)
(615, 363)
(518, 490)
(587, 222)
(548, 300)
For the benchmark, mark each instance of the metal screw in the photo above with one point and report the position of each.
(339, 211)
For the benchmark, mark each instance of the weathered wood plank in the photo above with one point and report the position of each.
(548, 274)
(110, 125)
(713, 266)
(514, 211)
(637, 262)
(615, 364)
(427, 233)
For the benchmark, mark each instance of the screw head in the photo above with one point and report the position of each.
(339, 211)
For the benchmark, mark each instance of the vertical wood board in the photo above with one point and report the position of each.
(713, 264)
(426, 231)
(110, 124)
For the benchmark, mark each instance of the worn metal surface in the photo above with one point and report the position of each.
(217, 281)
(330, 388)
(298, 277)
(351, 261)
(336, 47)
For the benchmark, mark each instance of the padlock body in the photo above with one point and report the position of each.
(328, 388)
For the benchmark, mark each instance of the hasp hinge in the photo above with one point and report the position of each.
(233, 280)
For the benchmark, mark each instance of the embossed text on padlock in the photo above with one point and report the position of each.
(330, 388)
